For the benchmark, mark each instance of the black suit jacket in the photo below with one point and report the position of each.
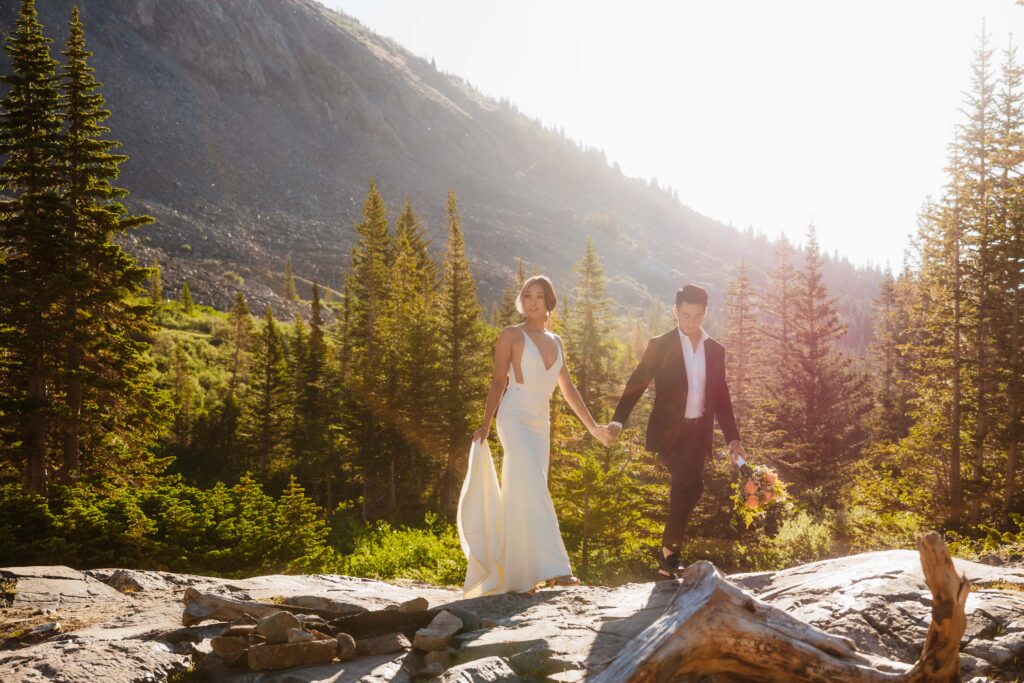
(663, 363)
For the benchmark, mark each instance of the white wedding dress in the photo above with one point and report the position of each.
(510, 535)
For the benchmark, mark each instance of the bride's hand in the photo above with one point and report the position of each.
(602, 434)
(481, 434)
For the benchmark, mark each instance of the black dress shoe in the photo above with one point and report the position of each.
(670, 564)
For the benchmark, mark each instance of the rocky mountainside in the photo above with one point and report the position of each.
(254, 128)
(121, 625)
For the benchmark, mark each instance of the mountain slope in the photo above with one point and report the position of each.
(254, 127)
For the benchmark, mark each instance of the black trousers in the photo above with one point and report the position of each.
(685, 462)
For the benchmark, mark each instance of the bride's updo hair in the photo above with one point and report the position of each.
(549, 293)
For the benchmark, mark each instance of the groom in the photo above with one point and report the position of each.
(690, 392)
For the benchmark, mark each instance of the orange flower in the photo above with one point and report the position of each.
(752, 502)
(766, 497)
(750, 488)
(772, 477)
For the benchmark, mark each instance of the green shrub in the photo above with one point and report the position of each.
(431, 554)
(303, 533)
(103, 527)
(28, 530)
(803, 539)
(992, 541)
(222, 531)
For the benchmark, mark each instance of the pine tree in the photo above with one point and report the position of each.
(600, 506)
(222, 432)
(343, 334)
(462, 361)
(111, 402)
(890, 361)
(409, 228)
(778, 300)
(371, 259)
(589, 331)
(741, 340)
(302, 533)
(937, 354)
(1008, 161)
(156, 286)
(409, 340)
(366, 295)
(314, 409)
(776, 414)
(831, 395)
(659, 319)
(185, 395)
(822, 397)
(950, 253)
(186, 299)
(978, 212)
(505, 313)
(347, 428)
(240, 330)
(34, 243)
(265, 420)
(290, 293)
(298, 348)
(884, 344)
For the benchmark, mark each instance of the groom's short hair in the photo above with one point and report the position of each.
(692, 294)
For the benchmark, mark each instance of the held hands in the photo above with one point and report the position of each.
(606, 434)
(602, 434)
(614, 430)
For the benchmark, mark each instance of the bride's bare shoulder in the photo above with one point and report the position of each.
(511, 335)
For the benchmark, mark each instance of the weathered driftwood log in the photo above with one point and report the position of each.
(202, 606)
(382, 622)
(712, 627)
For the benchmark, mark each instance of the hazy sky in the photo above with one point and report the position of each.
(770, 114)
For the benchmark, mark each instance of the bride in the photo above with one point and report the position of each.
(510, 535)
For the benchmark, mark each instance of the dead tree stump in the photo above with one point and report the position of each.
(713, 628)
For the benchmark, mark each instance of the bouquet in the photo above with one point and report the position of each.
(759, 489)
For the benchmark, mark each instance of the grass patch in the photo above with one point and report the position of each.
(16, 634)
(189, 675)
(999, 585)
(8, 589)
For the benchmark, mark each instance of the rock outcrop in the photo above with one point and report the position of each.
(877, 600)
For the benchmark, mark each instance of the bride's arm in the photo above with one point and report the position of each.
(575, 401)
(502, 359)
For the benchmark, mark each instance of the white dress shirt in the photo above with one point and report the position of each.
(696, 376)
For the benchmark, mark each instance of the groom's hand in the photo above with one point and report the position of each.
(736, 451)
